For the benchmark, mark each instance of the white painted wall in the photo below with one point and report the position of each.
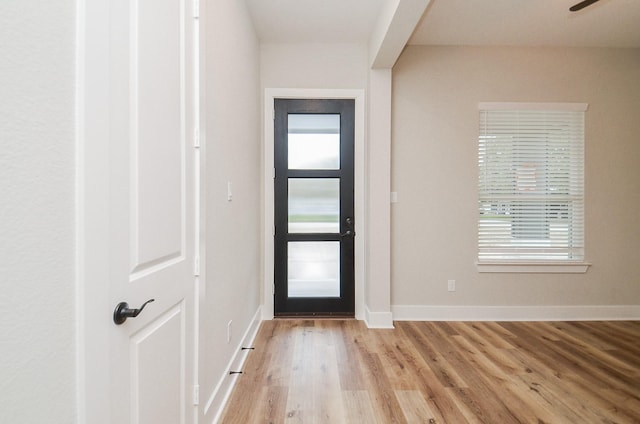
(37, 247)
(378, 181)
(434, 170)
(231, 137)
(327, 66)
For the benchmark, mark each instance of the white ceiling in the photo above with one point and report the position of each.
(314, 21)
(608, 23)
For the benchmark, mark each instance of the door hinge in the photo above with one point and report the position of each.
(196, 138)
(196, 266)
(196, 9)
(273, 289)
(196, 394)
(273, 114)
(273, 230)
(274, 173)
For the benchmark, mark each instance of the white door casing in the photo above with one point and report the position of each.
(268, 194)
(136, 210)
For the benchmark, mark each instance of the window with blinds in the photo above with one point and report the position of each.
(531, 182)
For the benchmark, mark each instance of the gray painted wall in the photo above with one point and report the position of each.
(434, 170)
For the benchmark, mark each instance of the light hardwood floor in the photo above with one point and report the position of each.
(338, 371)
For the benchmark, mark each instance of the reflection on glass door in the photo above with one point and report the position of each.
(314, 207)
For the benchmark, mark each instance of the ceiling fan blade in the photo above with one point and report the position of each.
(582, 5)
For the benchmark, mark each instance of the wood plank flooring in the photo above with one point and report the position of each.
(338, 371)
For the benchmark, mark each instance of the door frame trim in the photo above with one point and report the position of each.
(92, 224)
(358, 95)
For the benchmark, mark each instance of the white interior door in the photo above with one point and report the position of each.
(150, 216)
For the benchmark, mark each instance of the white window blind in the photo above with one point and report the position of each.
(531, 182)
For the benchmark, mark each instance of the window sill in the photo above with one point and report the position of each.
(534, 267)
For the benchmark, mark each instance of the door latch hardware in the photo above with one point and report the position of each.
(122, 311)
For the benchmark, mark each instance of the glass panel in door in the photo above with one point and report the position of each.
(314, 269)
(313, 141)
(314, 205)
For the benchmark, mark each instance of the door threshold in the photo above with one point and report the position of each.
(315, 316)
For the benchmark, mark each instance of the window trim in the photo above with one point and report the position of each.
(575, 107)
(533, 266)
(567, 267)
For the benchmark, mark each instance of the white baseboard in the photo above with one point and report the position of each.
(377, 319)
(515, 313)
(222, 392)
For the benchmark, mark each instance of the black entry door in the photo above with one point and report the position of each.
(314, 211)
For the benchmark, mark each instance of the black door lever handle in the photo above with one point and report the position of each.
(122, 311)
